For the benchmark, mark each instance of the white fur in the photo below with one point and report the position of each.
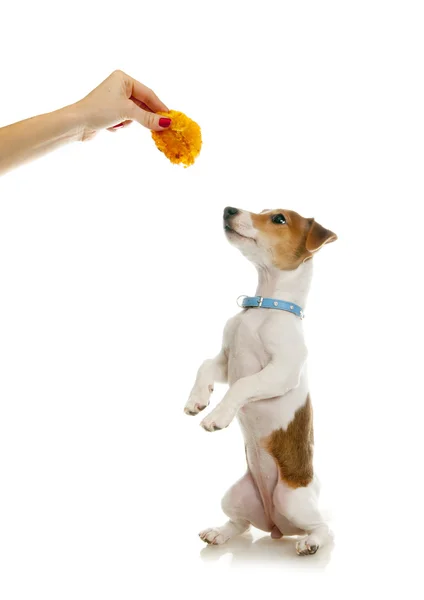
(263, 359)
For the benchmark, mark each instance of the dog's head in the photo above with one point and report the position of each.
(279, 238)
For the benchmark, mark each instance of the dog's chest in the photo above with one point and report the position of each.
(246, 351)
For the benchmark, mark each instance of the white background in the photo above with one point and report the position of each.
(116, 281)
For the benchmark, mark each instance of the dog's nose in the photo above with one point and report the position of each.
(230, 211)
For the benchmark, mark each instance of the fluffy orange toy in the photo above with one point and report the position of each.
(181, 143)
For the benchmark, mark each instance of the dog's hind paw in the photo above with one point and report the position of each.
(214, 536)
(306, 546)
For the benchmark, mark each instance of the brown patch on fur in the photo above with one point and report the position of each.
(292, 448)
(294, 242)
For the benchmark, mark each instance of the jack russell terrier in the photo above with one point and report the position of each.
(263, 359)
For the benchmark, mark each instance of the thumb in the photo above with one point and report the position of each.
(148, 119)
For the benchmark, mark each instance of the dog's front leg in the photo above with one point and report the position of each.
(211, 371)
(276, 379)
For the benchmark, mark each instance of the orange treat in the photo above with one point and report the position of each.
(182, 141)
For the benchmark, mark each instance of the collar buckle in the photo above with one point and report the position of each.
(240, 304)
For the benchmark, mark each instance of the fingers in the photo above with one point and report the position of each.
(148, 119)
(119, 125)
(141, 104)
(136, 102)
(147, 96)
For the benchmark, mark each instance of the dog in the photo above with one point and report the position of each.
(263, 360)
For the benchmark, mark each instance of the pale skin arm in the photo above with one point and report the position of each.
(115, 103)
(281, 375)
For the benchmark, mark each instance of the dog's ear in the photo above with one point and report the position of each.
(318, 236)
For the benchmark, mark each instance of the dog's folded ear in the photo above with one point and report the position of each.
(318, 236)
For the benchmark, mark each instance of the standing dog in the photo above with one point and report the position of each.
(263, 359)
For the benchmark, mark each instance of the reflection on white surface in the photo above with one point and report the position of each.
(245, 549)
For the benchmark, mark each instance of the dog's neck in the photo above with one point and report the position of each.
(292, 286)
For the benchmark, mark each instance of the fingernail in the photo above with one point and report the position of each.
(117, 126)
(164, 122)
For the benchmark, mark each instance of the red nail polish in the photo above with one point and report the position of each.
(164, 122)
(117, 126)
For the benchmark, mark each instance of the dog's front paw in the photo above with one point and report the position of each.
(198, 401)
(219, 418)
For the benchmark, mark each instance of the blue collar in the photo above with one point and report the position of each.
(259, 302)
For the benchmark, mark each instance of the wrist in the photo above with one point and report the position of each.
(74, 121)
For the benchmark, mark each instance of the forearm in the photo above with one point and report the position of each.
(29, 139)
(210, 371)
(213, 370)
(272, 381)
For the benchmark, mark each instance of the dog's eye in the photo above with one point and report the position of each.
(278, 219)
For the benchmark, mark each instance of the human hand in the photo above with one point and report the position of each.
(118, 101)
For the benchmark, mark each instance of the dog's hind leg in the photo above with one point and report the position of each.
(243, 505)
(300, 506)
